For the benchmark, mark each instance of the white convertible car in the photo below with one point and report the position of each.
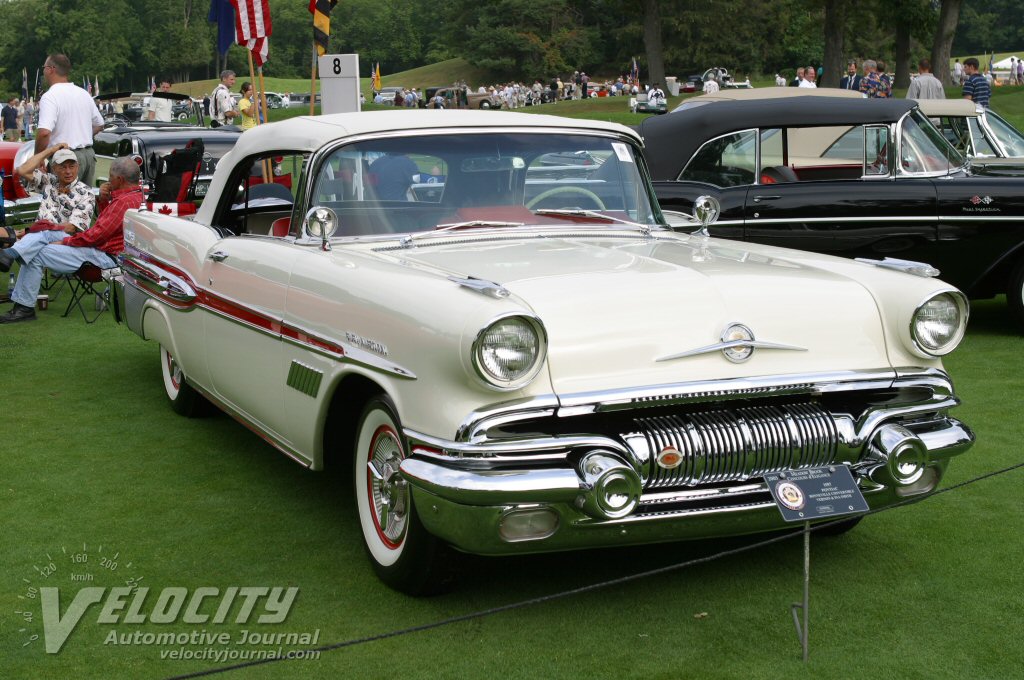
(487, 318)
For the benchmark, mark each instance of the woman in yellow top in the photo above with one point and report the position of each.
(247, 108)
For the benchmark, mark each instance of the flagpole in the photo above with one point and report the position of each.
(312, 82)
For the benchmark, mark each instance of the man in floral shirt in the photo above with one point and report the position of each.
(67, 204)
(871, 83)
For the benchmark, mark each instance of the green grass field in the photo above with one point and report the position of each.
(94, 462)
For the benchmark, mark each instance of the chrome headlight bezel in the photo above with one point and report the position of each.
(522, 378)
(920, 343)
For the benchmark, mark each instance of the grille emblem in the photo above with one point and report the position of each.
(737, 339)
(669, 458)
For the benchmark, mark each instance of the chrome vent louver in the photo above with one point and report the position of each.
(737, 444)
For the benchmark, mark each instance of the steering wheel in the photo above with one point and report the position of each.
(116, 121)
(557, 191)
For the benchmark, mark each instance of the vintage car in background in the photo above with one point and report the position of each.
(642, 103)
(693, 83)
(452, 95)
(993, 146)
(20, 206)
(149, 142)
(844, 176)
(487, 319)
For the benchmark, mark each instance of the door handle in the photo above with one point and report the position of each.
(218, 256)
(758, 199)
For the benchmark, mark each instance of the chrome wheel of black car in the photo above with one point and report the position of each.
(404, 555)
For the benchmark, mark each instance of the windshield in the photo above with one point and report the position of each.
(418, 183)
(923, 149)
(1011, 139)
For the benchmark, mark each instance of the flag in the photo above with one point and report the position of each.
(321, 11)
(222, 13)
(376, 77)
(152, 83)
(253, 27)
(97, 89)
(88, 86)
(634, 74)
(24, 83)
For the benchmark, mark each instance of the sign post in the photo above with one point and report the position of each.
(339, 83)
(805, 495)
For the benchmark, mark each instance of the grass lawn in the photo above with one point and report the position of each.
(95, 463)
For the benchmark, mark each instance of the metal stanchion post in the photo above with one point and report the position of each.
(801, 630)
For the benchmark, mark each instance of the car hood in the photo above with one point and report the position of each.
(624, 311)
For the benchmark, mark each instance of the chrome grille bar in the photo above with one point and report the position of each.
(737, 444)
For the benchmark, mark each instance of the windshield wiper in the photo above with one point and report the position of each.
(407, 240)
(580, 212)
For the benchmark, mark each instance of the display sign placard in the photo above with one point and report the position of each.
(816, 493)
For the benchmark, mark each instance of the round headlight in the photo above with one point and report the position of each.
(938, 325)
(508, 353)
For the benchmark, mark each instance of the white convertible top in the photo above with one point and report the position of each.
(308, 133)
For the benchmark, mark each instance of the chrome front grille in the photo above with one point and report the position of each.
(736, 444)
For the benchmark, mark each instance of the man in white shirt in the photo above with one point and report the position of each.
(710, 86)
(68, 114)
(808, 79)
(161, 109)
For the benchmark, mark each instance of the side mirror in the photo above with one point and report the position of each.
(321, 223)
(706, 209)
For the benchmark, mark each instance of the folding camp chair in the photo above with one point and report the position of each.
(84, 284)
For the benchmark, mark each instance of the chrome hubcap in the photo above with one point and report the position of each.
(389, 490)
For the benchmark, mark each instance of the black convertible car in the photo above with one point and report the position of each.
(854, 177)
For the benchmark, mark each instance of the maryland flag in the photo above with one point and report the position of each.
(376, 77)
(321, 11)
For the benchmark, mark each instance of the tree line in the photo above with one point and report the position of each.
(124, 42)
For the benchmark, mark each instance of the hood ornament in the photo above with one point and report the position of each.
(737, 344)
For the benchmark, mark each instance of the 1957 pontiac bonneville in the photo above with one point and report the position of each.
(487, 318)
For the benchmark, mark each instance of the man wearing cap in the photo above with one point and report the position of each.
(67, 204)
(68, 114)
(99, 244)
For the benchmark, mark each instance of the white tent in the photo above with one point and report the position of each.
(1004, 64)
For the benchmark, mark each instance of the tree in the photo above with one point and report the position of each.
(949, 13)
(833, 67)
(652, 41)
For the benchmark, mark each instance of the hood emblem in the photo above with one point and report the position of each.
(979, 199)
(737, 344)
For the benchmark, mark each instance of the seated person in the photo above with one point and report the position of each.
(394, 175)
(67, 204)
(98, 245)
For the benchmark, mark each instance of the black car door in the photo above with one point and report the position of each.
(839, 194)
(980, 235)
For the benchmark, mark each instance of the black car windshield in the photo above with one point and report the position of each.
(924, 149)
(422, 182)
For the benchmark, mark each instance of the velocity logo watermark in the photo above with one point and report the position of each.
(78, 589)
(126, 605)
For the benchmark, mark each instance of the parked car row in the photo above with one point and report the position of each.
(489, 319)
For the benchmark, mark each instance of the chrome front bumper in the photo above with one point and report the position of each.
(536, 494)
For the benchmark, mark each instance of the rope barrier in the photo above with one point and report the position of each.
(297, 654)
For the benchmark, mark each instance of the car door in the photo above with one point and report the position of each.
(842, 196)
(979, 232)
(247, 277)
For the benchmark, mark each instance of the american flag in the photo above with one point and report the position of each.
(253, 27)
